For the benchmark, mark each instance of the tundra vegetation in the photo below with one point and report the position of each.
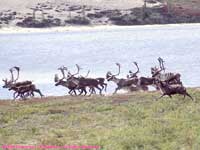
(50, 13)
(123, 122)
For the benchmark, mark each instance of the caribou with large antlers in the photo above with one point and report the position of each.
(134, 75)
(171, 78)
(143, 82)
(66, 82)
(121, 83)
(100, 80)
(22, 89)
(86, 82)
(74, 83)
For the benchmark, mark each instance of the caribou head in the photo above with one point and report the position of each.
(9, 83)
(110, 76)
(155, 71)
(134, 75)
(56, 77)
(62, 70)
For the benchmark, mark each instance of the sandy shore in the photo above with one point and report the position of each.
(18, 30)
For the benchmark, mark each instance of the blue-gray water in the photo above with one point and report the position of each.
(40, 54)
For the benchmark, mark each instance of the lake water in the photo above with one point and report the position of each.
(40, 54)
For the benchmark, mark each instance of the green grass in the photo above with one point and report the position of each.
(121, 122)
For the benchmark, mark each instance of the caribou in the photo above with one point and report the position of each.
(80, 83)
(168, 83)
(21, 89)
(87, 82)
(143, 82)
(25, 91)
(171, 78)
(134, 75)
(68, 83)
(170, 90)
(120, 82)
(100, 80)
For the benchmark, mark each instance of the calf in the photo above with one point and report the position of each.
(170, 90)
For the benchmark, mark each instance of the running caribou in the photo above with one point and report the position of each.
(130, 83)
(143, 82)
(80, 83)
(169, 89)
(168, 83)
(171, 78)
(68, 83)
(21, 89)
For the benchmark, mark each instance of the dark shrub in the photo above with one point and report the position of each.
(78, 21)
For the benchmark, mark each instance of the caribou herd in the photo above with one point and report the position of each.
(168, 83)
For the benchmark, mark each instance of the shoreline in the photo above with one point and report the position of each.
(20, 30)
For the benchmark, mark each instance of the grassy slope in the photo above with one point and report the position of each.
(122, 122)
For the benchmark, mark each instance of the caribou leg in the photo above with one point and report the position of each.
(39, 92)
(116, 90)
(105, 86)
(16, 96)
(70, 92)
(92, 90)
(161, 96)
(170, 96)
(187, 94)
(31, 94)
(100, 90)
(82, 90)
(74, 91)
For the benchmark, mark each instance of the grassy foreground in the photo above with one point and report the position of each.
(121, 122)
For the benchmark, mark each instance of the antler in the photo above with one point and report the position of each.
(87, 74)
(156, 71)
(119, 67)
(56, 78)
(138, 70)
(78, 70)
(12, 76)
(18, 69)
(161, 63)
(63, 69)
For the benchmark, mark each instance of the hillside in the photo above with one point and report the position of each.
(121, 122)
(51, 13)
(20, 5)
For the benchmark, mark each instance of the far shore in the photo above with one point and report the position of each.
(13, 30)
